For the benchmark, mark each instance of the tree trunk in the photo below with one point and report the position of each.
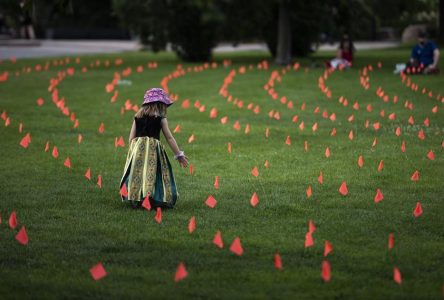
(441, 20)
(283, 53)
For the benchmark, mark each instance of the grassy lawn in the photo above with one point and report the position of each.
(73, 224)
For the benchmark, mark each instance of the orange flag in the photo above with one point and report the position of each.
(350, 135)
(177, 129)
(55, 152)
(391, 241)
(7, 122)
(79, 138)
(181, 272)
(266, 164)
(229, 148)
(254, 200)
(321, 178)
(25, 141)
(255, 172)
(311, 226)
(22, 236)
(288, 141)
(211, 201)
(267, 132)
(99, 181)
(146, 203)
(431, 155)
(247, 129)
(236, 125)
(277, 261)
(217, 240)
(123, 191)
(380, 166)
(397, 275)
(191, 169)
(98, 271)
(213, 113)
(102, 128)
(421, 135)
(88, 174)
(158, 216)
(40, 101)
(418, 210)
(403, 147)
(343, 189)
(216, 182)
(67, 162)
(191, 139)
(327, 152)
(415, 176)
(309, 191)
(186, 103)
(326, 272)
(308, 240)
(192, 224)
(224, 120)
(328, 247)
(360, 161)
(13, 220)
(398, 131)
(236, 247)
(379, 196)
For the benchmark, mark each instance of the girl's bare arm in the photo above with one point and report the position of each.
(172, 142)
(132, 134)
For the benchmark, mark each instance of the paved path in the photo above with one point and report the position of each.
(48, 48)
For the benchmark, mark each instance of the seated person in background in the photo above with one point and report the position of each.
(425, 56)
(344, 56)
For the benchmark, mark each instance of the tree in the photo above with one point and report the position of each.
(283, 53)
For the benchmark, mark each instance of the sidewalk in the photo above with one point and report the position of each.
(48, 48)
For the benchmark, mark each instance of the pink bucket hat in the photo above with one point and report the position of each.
(156, 95)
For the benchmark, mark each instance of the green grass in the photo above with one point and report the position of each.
(72, 224)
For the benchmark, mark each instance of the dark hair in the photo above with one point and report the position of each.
(422, 34)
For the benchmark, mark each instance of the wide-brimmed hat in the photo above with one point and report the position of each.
(156, 95)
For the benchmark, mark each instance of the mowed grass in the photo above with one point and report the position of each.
(72, 224)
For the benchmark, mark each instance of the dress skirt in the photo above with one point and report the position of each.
(148, 172)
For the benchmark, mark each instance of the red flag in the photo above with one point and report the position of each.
(213, 113)
(13, 220)
(288, 141)
(67, 162)
(186, 103)
(343, 189)
(403, 147)
(98, 271)
(88, 174)
(123, 191)
(421, 135)
(415, 176)
(254, 200)
(397, 275)
(255, 172)
(7, 122)
(25, 141)
(360, 161)
(191, 139)
(431, 155)
(211, 202)
(55, 152)
(350, 135)
(379, 196)
(326, 273)
(277, 261)
(216, 182)
(380, 166)
(192, 224)
(309, 191)
(191, 169)
(181, 272)
(146, 203)
(101, 128)
(308, 240)
(121, 142)
(22, 236)
(418, 210)
(40, 101)
(321, 178)
(236, 247)
(158, 216)
(391, 241)
(311, 226)
(99, 181)
(327, 152)
(398, 131)
(328, 247)
(217, 240)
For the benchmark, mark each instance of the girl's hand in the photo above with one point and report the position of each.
(183, 161)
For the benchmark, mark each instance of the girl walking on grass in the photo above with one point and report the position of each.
(148, 170)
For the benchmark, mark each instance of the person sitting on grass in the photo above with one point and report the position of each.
(425, 57)
(344, 56)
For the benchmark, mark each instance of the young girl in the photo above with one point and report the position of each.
(147, 170)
